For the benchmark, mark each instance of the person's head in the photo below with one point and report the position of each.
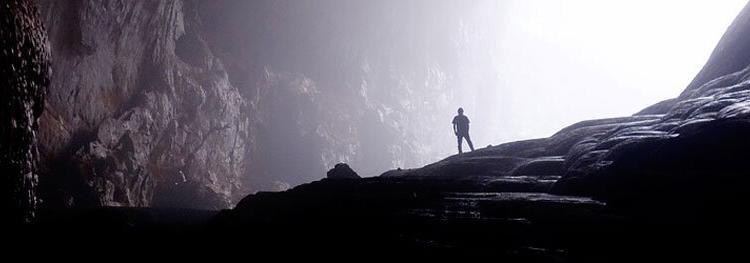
(460, 111)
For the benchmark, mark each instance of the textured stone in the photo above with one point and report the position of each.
(24, 78)
(140, 111)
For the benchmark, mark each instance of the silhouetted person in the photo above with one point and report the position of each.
(461, 129)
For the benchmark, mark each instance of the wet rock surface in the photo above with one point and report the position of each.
(416, 215)
(699, 142)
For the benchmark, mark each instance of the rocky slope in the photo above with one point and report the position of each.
(668, 186)
(668, 181)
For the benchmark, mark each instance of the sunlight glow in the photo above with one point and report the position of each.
(562, 61)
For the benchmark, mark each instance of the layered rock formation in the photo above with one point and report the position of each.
(24, 77)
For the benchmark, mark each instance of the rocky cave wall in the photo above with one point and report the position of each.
(139, 112)
(24, 77)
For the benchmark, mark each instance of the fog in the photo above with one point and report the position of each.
(559, 62)
(384, 78)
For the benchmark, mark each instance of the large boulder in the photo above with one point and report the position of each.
(342, 171)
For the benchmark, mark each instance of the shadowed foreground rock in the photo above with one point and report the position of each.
(647, 186)
(24, 77)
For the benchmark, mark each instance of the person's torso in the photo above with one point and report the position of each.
(462, 123)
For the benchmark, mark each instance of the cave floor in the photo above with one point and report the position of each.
(398, 216)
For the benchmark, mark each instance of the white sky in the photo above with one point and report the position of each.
(563, 61)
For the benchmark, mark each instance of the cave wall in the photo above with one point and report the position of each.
(24, 77)
(139, 112)
(198, 103)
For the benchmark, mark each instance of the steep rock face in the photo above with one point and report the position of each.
(140, 111)
(24, 77)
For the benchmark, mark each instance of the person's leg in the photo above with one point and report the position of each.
(468, 141)
(459, 144)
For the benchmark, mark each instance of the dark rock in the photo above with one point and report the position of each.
(552, 165)
(24, 78)
(342, 171)
(615, 165)
(658, 108)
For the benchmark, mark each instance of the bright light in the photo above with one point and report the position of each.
(562, 61)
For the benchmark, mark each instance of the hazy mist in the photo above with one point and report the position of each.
(563, 61)
(521, 69)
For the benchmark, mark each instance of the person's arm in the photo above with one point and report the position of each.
(455, 129)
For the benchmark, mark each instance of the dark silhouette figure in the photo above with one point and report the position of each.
(461, 129)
